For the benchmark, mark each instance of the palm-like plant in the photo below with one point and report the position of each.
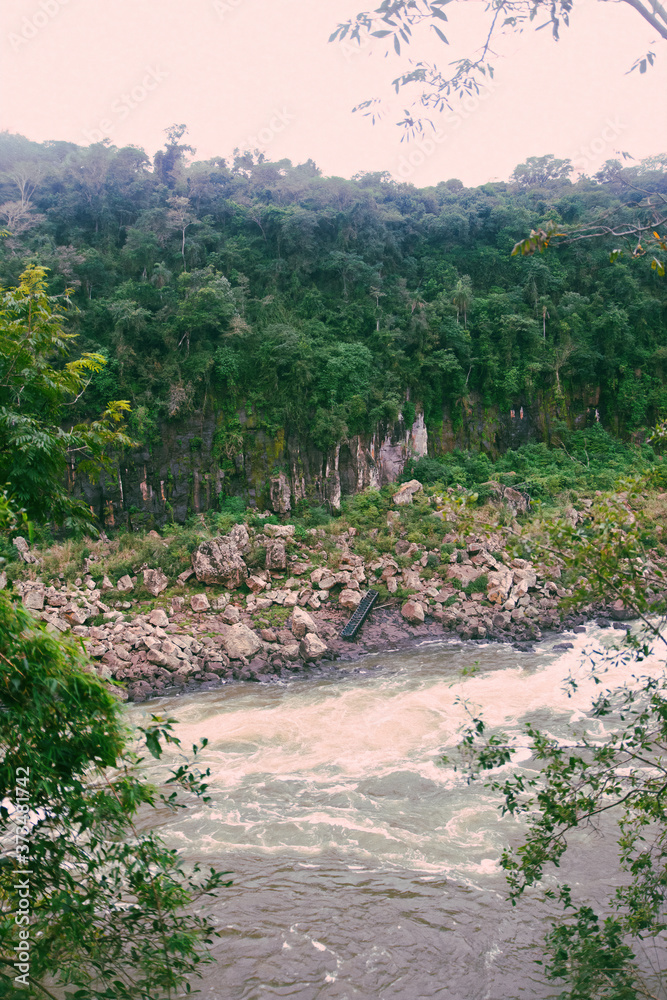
(462, 298)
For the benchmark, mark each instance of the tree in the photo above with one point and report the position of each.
(462, 297)
(632, 230)
(90, 903)
(36, 389)
(540, 170)
(169, 163)
(616, 772)
(399, 21)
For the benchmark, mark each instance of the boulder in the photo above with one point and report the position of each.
(199, 602)
(3, 580)
(177, 604)
(390, 569)
(34, 599)
(302, 623)
(410, 579)
(240, 641)
(231, 615)
(125, 585)
(23, 550)
(219, 561)
(276, 557)
(349, 599)
(158, 617)
(183, 577)
(280, 530)
(499, 585)
(620, 613)
(106, 583)
(155, 581)
(405, 493)
(239, 537)
(413, 612)
(280, 493)
(255, 584)
(515, 501)
(77, 616)
(311, 647)
(525, 575)
(463, 572)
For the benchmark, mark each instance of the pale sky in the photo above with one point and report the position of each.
(260, 73)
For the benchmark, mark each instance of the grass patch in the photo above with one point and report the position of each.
(275, 617)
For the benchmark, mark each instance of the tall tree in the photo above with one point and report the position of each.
(36, 447)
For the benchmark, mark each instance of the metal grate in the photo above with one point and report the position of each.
(359, 615)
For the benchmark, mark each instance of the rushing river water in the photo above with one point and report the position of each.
(364, 868)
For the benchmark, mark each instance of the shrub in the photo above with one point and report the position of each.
(71, 787)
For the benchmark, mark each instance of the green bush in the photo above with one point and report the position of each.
(72, 788)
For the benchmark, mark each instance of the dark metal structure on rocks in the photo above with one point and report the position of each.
(359, 615)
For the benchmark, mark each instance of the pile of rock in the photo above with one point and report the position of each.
(206, 638)
(513, 599)
(158, 653)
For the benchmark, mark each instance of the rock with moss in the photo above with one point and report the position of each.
(219, 561)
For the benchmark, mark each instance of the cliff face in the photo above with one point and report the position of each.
(185, 469)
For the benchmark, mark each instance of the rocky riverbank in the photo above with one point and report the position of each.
(261, 603)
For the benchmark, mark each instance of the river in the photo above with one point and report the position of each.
(363, 867)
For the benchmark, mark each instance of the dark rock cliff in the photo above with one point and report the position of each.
(183, 471)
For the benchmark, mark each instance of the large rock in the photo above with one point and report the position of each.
(527, 575)
(199, 602)
(76, 616)
(276, 556)
(125, 585)
(219, 561)
(514, 500)
(413, 612)
(410, 579)
(405, 493)
(34, 599)
(302, 623)
(499, 586)
(155, 581)
(240, 537)
(280, 530)
(280, 493)
(23, 549)
(464, 572)
(311, 647)
(158, 617)
(349, 599)
(239, 641)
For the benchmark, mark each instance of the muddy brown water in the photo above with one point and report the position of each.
(365, 868)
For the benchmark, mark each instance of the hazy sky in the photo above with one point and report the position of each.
(260, 73)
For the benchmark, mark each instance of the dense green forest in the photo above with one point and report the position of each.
(325, 304)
